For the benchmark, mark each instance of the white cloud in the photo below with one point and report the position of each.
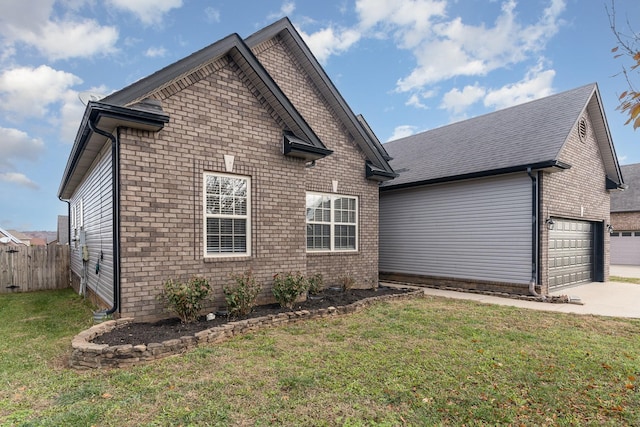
(415, 100)
(28, 92)
(537, 83)
(408, 20)
(18, 179)
(16, 145)
(456, 101)
(328, 41)
(452, 48)
(212, 15)
(64, 40)
(31, 22)
(155, 52)
(402, 131)
(149, 12)
(286, 9)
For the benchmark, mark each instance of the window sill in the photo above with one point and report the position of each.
(334, 253)
(230, 258)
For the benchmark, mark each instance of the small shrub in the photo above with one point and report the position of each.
(347, 283)
(241, 297)
(315, 284)
(288, 287)
(185, 298)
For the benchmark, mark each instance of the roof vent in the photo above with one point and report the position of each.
(582, 129)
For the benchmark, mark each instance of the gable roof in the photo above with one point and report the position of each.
(299, 139)
(629, 199)
(530, 135)
(377, 166)
(234, 47)
(9, 238)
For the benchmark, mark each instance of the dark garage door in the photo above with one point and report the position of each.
(570, 252)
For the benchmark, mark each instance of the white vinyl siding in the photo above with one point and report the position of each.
(93, 201)
(332, 222)
(226, 215)
(475, 229)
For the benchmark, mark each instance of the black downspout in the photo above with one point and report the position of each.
(534, 234)
(115, 194)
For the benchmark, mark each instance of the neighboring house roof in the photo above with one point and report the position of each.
(20, 235)
(38, 241)
(532, 135)
(629, 199)
(7, 238)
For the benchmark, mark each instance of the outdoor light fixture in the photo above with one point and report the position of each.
(550, 223)
(609, 228)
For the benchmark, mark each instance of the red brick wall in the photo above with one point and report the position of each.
(577, 193)
(213, 113)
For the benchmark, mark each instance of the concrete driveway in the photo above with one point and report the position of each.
(601, 299)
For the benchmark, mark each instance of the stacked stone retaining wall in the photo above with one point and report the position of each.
(88, 355)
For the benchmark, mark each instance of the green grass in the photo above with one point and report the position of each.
(428, 361)
(624, 279)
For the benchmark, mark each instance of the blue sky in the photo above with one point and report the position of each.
(406, 65)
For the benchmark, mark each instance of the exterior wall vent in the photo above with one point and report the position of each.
(582, 129)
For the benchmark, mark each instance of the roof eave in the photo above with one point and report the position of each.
(295, 147)
(376, 174)
(87, 145)
(550, 166)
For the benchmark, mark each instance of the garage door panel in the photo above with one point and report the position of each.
(570, 252)
(625, 248)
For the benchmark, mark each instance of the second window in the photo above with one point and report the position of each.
(332, 222)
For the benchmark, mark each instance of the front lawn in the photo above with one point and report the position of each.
(421, 362)
(624, 279)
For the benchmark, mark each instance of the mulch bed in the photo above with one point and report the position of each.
(145, 333)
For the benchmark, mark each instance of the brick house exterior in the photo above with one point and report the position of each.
(155, 166)
(471, 189)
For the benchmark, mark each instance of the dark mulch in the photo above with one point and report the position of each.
(145, 333)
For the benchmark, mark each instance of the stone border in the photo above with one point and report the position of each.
(87, 355)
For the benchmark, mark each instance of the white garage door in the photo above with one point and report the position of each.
(570, 252)
(625, 248)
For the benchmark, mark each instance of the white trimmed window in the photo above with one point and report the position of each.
(227, 210)
(332, 222)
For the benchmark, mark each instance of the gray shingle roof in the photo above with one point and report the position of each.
(526, 134)
(629, 199)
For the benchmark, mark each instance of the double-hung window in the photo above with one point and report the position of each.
(332, 222)
(227, 210)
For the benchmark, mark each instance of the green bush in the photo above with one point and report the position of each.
(316, 284)
(288, 287)
(241, 297)
(185, 298)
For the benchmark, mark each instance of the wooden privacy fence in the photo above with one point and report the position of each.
(33, 268)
